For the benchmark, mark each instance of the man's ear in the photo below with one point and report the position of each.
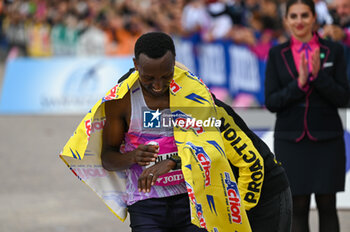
(135, 63)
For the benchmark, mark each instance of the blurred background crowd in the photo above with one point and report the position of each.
(110, 27)
(46, 28)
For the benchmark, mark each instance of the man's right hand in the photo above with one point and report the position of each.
(144, 154)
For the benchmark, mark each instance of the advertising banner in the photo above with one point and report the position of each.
(59, 85)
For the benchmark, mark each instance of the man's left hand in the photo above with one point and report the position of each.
(149, 176)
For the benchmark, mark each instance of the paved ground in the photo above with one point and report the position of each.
(39, 194)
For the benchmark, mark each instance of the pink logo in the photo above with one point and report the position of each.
(171, 178)
(233, 199)
(95, 126)
(112, 94)
(87, 173)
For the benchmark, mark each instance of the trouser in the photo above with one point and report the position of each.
(274, 214)
(168, 214)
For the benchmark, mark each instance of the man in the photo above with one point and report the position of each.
(342, 8)
(164, 167)
(169, 204)
(339, 30)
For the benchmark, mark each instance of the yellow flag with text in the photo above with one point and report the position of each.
(215, 200)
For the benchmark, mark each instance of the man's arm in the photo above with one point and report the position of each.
(113, 135)
(243, 154)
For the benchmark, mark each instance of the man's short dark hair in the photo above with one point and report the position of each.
(154, 45)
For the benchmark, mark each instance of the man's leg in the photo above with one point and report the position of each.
(179, 215)
(168, 214)
(148, 215)
(285, 222)
(272, 214)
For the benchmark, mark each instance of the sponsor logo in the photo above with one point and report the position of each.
(192, 76)
(198, 207)
(86, 173)
(211, 204)
(248, 156)
(203, 159)
(233, 199)
(174, 87)
(112, 95)
(96, 125)
(151, 119)
(171, 178)
(157, 119)
(196, 98)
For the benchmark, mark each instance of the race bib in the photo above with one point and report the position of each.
(167, 148)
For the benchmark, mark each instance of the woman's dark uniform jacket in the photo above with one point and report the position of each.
(315, 111)
(274, 179)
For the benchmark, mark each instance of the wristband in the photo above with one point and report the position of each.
(177, 160)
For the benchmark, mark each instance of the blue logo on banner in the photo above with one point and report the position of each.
(151, 119)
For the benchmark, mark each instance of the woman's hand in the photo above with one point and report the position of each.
(315, 62)
(303, 71)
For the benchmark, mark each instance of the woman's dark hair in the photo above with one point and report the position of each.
(154, 45)
(309, 3)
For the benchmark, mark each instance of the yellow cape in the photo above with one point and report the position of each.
(215, 201)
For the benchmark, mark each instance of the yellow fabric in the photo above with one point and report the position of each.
(213, 193)
(243, 154)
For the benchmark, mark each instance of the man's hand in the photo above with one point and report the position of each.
(144, 154)
(149, 176)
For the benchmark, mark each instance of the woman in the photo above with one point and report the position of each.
(305, 84)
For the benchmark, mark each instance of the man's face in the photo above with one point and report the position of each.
(155, 74)
(343, 10)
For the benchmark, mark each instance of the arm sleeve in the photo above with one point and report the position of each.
(242, 154)
(346, 40)
(278, 96)
(335, 89)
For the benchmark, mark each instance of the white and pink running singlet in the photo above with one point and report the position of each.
(169, 184)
